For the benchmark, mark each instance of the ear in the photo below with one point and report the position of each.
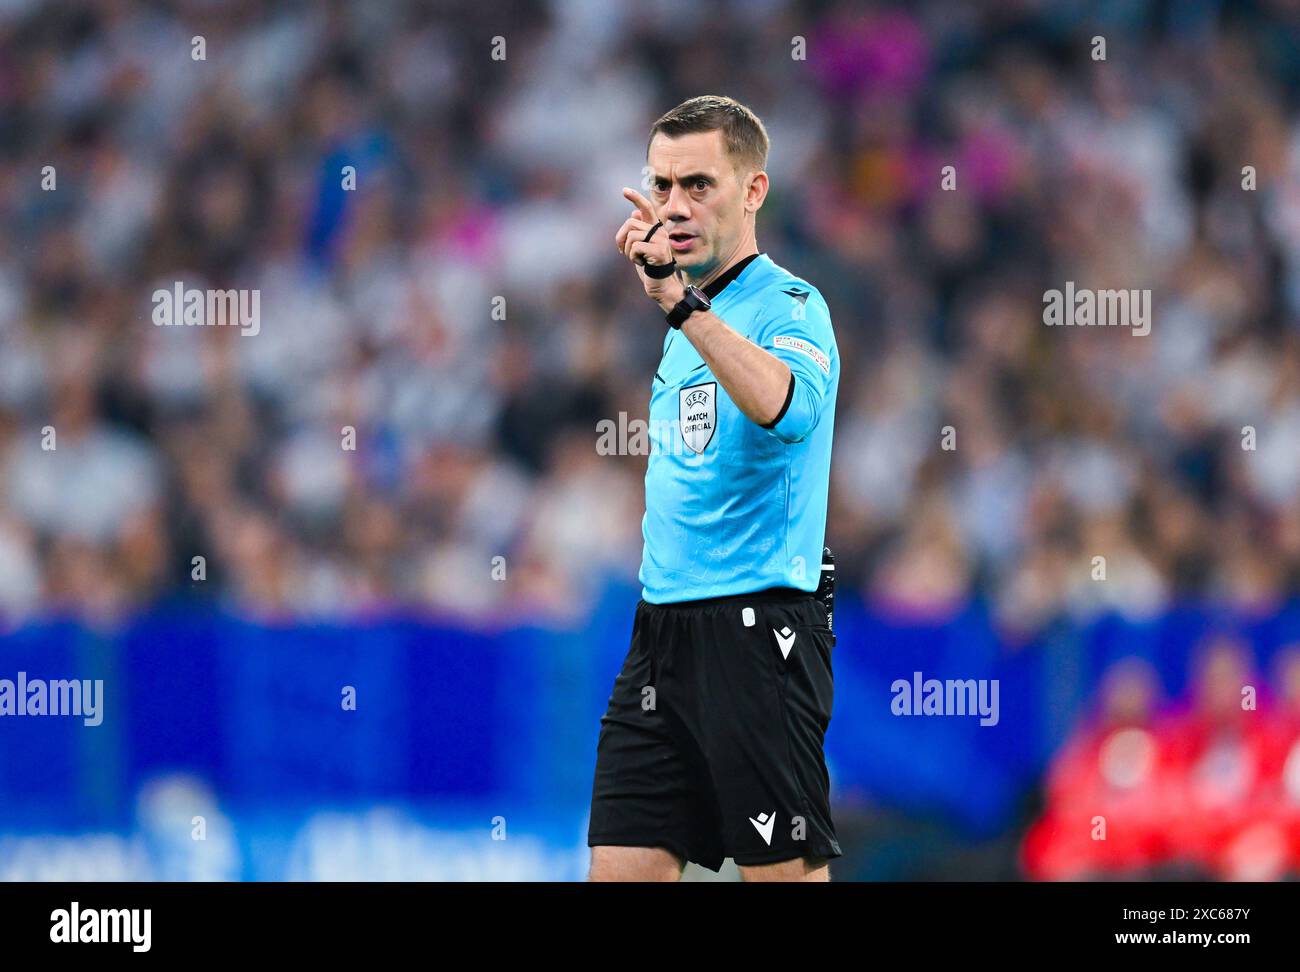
(755, 191)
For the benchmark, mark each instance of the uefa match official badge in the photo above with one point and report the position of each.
(697, 414)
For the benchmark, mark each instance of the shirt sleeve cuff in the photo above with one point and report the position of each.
(789, 397)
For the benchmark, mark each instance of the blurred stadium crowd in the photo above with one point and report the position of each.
(484, 182)
(481, 178)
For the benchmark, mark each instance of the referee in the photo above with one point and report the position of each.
(711, 745)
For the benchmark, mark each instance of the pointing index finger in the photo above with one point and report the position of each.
(641, 203)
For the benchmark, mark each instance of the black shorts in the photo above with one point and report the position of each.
(711, 746)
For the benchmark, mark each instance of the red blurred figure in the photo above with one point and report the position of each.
(1280, 800)
(1221, 750)
(1109, 790)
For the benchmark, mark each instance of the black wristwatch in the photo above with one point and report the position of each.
(688, 305)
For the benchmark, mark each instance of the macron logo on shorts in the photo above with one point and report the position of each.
(785, 640)
(764, 825)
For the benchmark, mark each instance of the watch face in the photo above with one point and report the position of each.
(698, 294)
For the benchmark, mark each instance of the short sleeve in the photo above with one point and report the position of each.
(797, 329)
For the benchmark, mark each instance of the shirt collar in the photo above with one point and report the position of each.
(718, 284)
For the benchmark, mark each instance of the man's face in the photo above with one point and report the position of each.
(700, 197)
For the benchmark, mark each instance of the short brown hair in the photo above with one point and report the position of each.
(742, 132)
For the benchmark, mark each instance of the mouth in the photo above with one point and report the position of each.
(680, 240)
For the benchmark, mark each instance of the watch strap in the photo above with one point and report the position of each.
(685, 307)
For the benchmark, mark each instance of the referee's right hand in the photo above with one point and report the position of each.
(630, 240)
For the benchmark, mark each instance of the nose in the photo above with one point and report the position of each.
(678, 205)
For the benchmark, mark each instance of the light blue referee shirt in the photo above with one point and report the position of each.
(733, 507)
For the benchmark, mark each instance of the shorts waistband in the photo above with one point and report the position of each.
(770, 594)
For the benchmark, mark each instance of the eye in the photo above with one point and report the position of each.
(661, 185)
(701, 185)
